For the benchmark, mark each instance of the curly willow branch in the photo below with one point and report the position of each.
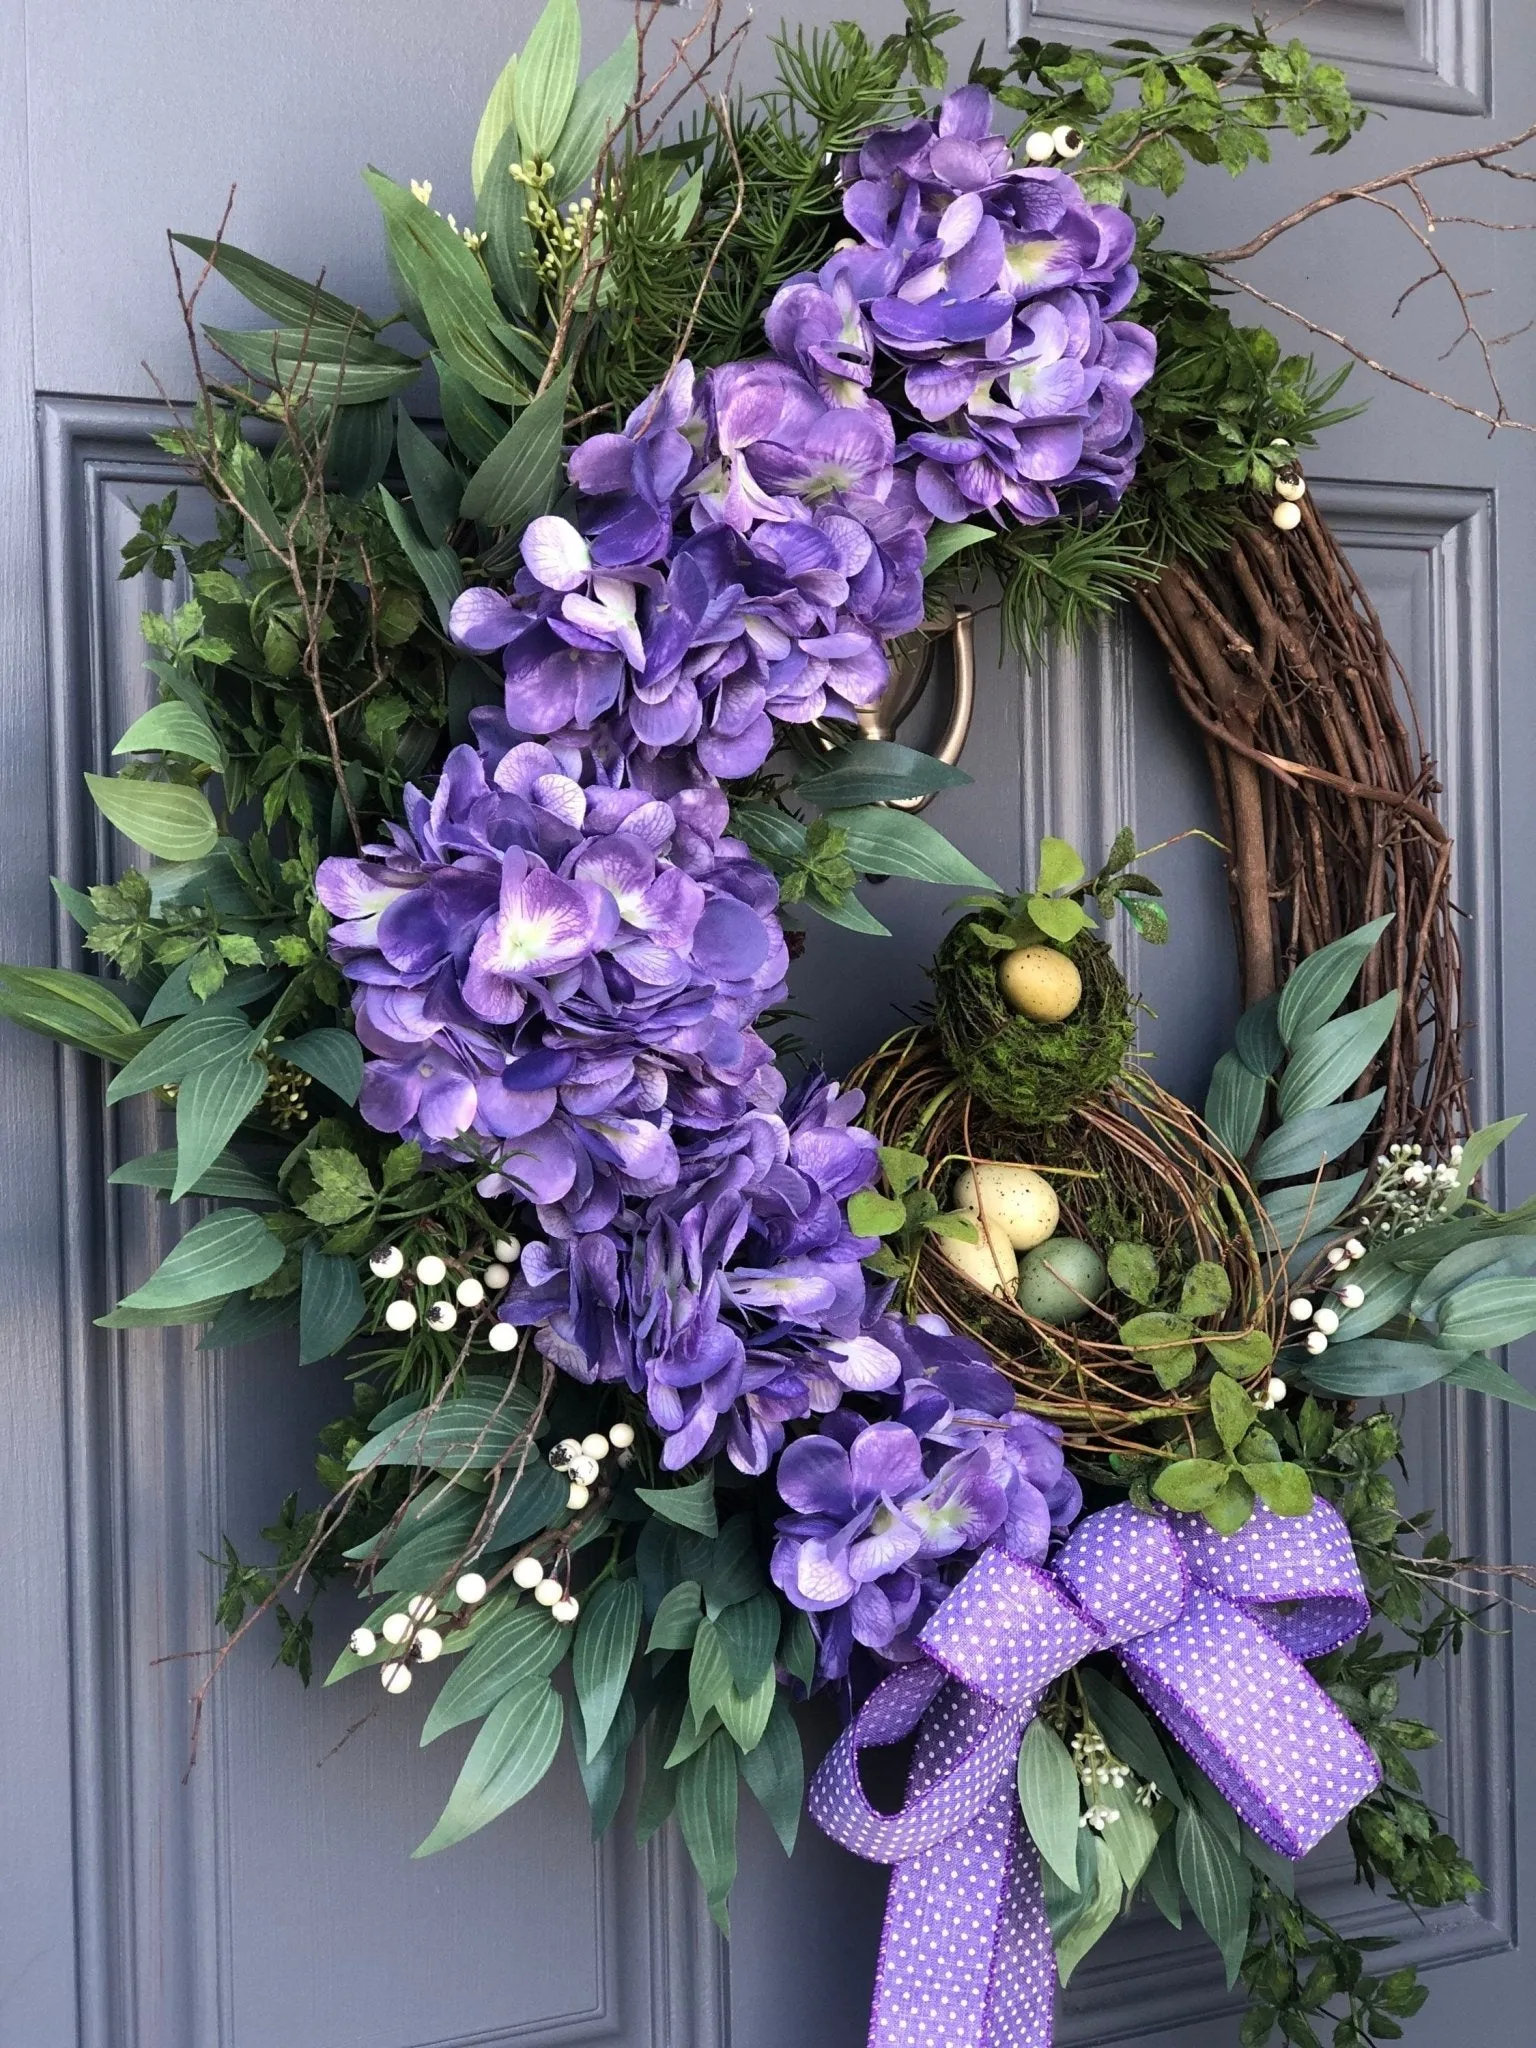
(1326, 793)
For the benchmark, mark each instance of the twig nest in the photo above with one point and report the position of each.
(1286, 515)
(991, 1263)
(1029, 1073)
(1014, 1202)
(1040, 982)
(1060, 1280)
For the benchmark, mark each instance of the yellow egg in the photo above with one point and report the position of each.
(1040, 983)
(1014, 1200)
(990, 1264)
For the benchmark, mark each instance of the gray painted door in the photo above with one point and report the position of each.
(270, 1899)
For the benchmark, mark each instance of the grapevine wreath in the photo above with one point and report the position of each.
(492, 776)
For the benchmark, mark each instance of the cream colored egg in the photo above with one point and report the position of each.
(1040, 983)
(1015, 1201)
(990, 1264)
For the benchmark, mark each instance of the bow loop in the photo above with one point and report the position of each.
(1127, 1569)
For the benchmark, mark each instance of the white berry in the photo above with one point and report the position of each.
(469, 1293)
(1338, 1257)
(496, 1277)
(387, 1261)
(594, 1446)
(362, 1642)
(564, 1453)
(548, 1591)
(400, 1315)
(431, 1271)
(506, 1249)
(622, 1435)
(396, 1628)
(442, 1315)
(395, 1677)
(501, 1337)
(471, 1588)
(1354, 1247)
(584, 1471)
(527, 1572)
(421, 1608)
(1352, 1296)
(1326, 1321)
(566, 1609)
(1286, 516)
(577, 1497)
(1274, 1393)
(1301, 1310)
(428, 1645)
(1040, 145)
(1067, 141)
(1291, 488)
(1316, 1342)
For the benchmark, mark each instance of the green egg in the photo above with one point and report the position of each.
(1059, 1279)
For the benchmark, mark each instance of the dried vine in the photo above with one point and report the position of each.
(1326, 793)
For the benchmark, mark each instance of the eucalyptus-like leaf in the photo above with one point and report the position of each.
(881, 842)
(1050, 1798)
(228, 1250)
(331, 1304)
(544, 82)
(873, 772)
(1234, 1104)
(1322, 981)
(1061, 867)
(1308, 1142)
(211, 1105)
(507, 1759)
(607, 1635)
(1332, 1058)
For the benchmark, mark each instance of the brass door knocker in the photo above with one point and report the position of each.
(912, 661)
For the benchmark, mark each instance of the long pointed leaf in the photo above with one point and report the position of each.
(507, 1759)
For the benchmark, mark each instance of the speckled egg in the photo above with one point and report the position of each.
(1015, 1200)
(1040, 983)
(990, 1264)
(1060, 1279)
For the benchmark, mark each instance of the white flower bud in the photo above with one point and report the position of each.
(395, 1677)
(1274, 1393)
(470, 1587)
(396, 1628)
(567, 1609)
(431, 1271)
(548, 1591)
(496, 1277)
(1039, 146)
(387, 1261)
(1354, 1247)
(594, 1446)
(469, 1293)
(1326, 1321)
(1352, 1295)
(420, 1607)
(577, 1497)
(1316, 1342)
(1301, 1310)
(400, 1315)
(1286, 516)
(527, 1573)
(428, 1646)
(362, 1642)
(506, 1249)
(501, 1337)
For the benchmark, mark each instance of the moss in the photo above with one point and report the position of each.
(1032, 1074)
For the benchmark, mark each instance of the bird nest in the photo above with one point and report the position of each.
(1132, 1164)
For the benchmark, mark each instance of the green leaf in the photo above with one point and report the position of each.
(1050, 1798)
(1239, 1351)
(331, 1304)
(517, 480)
(507, 1759)
(733, 1567)
(1231, 1509)
(1376, 1365)
(1310, 1140)
(603, 1776)
(690, 1507)
(75, 1008)
(1334, 1056)
(902, 1170)
(228, 1177)
(1217, 1883)
(1231, 1410)
(544, 83)
(1259, 1044)
(1061, 867)
(431, 478)
(873, 772)
(517, 1652)
(472, 1432)
(1132, 1838)
(745, 1714)
(1190, 1484)
(1161, 1341)
(179, 1050)
(607, 1634)
(749, 1633)
(775, 1772)
(850, 914)
(947, 541)
(1098, 1915)
(357, 451)
(706, 1813)
(278, 293)
(1206, 1291)
(172, 728)
(243, 1320)
(496, 119)
(1284, 1489)
(871, 1214)
(1477, 1150)
(1484, 1377)
(677, 1618)
(121, 1318)
(1482, 1315)
(1059, 918)
(511, 258)
(332, 1056)
(165, 818)
(231, 1249)
(321, 366)
(1295, 1213)
(1234, 1104)
(709, 1671)
(1133, 1271)
(599, 106)
(883, 842)
(1318, 986)
(211, 1105)
(797, 1648)
(442, 576)
(1130, 1734)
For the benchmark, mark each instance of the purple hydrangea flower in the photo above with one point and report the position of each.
(556, 976)
(996, 287)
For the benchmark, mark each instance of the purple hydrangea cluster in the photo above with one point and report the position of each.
(994, 288)
(738, 554)
(882, 1510)
(735, 1300)
(558, 977)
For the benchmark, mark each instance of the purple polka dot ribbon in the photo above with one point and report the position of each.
(1210, 1630)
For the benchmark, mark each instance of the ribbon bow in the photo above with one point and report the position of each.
(1210, 1630)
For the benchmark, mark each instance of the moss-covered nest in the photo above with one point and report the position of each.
(1030, 1074)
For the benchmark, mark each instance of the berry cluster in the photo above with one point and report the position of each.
(441, 1313)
